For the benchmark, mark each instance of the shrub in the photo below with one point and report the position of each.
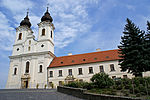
(102, 80)
(45, 86)
(119, 87)
(138, 94)
(88, 86)
(142, 89)
(37, 86)
(73, 84)
(77, 84)
(136, 90)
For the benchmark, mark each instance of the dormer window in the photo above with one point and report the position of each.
(20, 36)
(43, 32)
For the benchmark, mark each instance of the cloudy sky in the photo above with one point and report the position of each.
(81, 25)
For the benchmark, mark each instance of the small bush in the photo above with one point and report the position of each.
(102, 80)
(119, 87)
(125, 92)
(142, 89)
(136, 90)
(77, 84)
(138, 94)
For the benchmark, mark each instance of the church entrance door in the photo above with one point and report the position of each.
(25, 84)
(25, 81)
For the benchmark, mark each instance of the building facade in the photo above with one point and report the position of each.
(82, 67)
(33, 62)
(30, 58)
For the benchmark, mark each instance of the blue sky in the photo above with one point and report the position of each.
(81, 25)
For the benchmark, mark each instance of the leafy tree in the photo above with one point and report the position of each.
(147, 48)
(131, 49)
(102, 80)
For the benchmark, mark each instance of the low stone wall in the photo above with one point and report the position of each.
(81, 93)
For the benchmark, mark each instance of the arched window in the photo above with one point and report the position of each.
(51, 34)
(43, 32)
(29, 42)
(15, 71)
(40, 69)
(27, 67)
(20, 36)
(29, 48)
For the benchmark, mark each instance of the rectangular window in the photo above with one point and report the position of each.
(70, 71)
(112, 68)
(101, 68)
(125, 76)
(113, 77)
(90, 70)
(51, 73)
(60, 72)
(80, 80)
(80, 71)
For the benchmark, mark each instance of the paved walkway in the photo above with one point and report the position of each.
(34, 94)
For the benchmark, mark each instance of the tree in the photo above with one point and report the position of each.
(102, 80)
(131, 49)
(147, 48)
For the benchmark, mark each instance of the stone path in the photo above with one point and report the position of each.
(34, 94)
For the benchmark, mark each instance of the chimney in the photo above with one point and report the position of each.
(98, 49)
(69, 54)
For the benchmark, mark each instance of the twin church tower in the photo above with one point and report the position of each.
(30, 58)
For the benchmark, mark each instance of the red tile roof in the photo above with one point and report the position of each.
(85, 58)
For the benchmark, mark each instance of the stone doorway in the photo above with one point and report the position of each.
(25, 82)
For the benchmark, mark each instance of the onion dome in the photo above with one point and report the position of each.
(47, 17)
(26, 21)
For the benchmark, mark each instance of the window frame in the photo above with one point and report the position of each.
(125, 76)
(43, 32)
(60, 75)
(112, 67)
(51, 34)
(80, 72)
(27, 67)
(50, 73)
(40, 69)
(15, 71)
(20, 36)
(70, 71)
(91, 70)
(101, 68)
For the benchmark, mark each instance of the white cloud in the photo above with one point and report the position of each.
(6, 33)
(130, 7)
(73, 19)
(17, 6)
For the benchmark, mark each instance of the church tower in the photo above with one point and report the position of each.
(30, 58)
(46, 33)
(23, 32)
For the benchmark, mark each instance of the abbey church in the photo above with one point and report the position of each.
(33, 62)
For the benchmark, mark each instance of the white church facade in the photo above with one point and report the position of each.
(33, 62)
